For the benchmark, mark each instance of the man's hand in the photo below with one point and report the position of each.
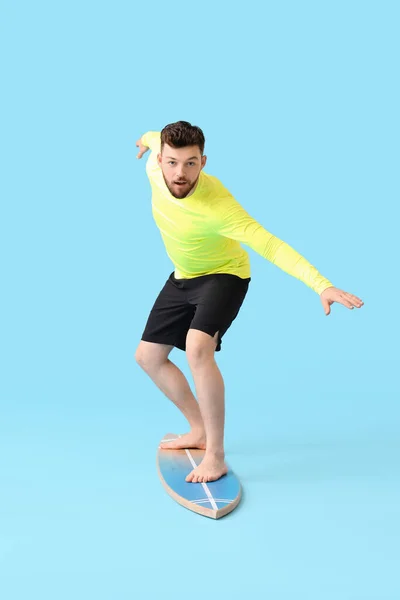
(332, 294)
(142, 148)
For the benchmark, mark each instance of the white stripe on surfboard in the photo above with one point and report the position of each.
(205, 486)
(206, 500)
(192, 462)
(216, 500)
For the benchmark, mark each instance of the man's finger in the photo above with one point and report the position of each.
(326, 306)
(354, 301)
(142, 148)
(343, 300)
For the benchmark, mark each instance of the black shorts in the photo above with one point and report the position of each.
(208, 303)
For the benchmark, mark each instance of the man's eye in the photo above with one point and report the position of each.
(191, 164)
(171, 162)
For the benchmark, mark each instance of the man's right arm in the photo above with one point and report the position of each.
(152, 141)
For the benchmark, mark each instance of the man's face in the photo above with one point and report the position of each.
(181, 168)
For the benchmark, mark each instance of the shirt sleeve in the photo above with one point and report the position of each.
(233, 222)
(152, 139)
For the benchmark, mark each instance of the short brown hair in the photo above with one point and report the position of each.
(181, 134)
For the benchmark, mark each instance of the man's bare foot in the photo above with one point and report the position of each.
(193, 439)
(211, 468)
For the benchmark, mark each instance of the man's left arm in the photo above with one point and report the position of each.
(232, 221)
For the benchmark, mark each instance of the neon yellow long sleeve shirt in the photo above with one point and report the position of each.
(203, 232)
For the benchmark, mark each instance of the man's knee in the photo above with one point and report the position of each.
(200, 347)
(150, 356)
(140, 356)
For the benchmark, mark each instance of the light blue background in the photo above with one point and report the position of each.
(299, 102)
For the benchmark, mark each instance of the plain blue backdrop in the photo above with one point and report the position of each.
(299, 102)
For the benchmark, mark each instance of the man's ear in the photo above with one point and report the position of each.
(203, 161)
(159, 160)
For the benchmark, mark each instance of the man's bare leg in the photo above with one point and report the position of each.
(153, 358)
(210, 389)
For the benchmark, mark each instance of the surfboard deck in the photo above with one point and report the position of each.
(214, 499)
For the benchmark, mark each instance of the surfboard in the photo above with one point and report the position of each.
(214, 499)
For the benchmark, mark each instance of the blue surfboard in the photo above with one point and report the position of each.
(214, 499)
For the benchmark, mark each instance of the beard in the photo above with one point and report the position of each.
(181, 189)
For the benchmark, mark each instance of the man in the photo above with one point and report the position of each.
(202, 227)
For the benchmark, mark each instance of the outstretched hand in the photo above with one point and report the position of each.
(333, 294)
(142, 148)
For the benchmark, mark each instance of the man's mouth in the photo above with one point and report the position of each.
(180, 182)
